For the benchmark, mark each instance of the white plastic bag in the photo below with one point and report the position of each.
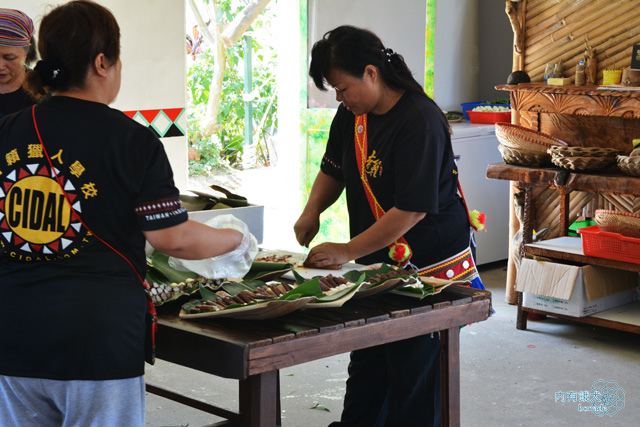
(232, 264)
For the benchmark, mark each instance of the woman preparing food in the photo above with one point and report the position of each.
(83, 186)
(390, 148)
(17, 50)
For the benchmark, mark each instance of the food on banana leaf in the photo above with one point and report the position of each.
(236, 294)
(225, 300)
(330, 284)
(382, 276)
(167, 284)
(274, 258)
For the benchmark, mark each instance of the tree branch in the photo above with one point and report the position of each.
(242, 22)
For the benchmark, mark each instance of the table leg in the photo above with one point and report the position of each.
(521, 315)
(259, 400)
(450, 376)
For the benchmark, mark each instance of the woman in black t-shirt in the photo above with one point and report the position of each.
(83, 188)
(17, 51)
(389, 147)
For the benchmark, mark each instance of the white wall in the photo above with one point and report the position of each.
(405, 33)
(473, 51)
(456, 67)
(153, 57)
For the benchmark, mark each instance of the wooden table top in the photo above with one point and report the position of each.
(234, 348)
(574, 181)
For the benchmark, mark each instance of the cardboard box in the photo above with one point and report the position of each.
(252, 215)
(574, 290)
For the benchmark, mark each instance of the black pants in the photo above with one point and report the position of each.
(394, 385)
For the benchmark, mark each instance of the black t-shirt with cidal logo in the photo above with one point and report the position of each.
(75, 307)
(409, 165)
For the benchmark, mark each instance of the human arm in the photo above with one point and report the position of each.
(324, 192)
(389, 228)
(193, 240)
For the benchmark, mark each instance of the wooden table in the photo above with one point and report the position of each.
(253, 352)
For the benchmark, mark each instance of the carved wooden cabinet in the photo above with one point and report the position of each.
(585, 116)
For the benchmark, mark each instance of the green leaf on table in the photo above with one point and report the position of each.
(298, 277)
(354, 275)
(234, 288)
(320, 406)
(266, 271)
(160, 262)
(340, 294)
(308, 289)
(208, 294)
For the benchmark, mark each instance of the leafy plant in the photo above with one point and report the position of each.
(334, 225)
(226, 147)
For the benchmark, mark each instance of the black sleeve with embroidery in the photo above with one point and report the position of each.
(158, 204)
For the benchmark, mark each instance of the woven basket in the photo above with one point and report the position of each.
(519, 137)
(635, 152)
(583, 164)
(629, 165)
(625, 223)
(583, 152)
(611, 77)
(514, 156)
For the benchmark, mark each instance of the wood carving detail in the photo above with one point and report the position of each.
(577, 105)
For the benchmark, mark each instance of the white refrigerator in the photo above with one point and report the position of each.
(475, 146)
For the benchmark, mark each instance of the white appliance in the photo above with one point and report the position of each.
(475, 146)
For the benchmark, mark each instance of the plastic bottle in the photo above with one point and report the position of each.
(580, 76)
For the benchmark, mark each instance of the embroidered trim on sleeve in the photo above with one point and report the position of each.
(160, 209)
(326, 161)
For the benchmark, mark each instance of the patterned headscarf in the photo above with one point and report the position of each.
(16, 28)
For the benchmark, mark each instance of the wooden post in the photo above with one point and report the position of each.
(515, 10)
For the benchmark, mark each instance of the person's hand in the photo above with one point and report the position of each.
(326, 254)
(306, 228)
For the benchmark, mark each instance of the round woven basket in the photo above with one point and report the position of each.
(629, 165)
(583, 152)
(519, 137)
(583, 164)
(635, 152)
(521, 157)
(625, 223)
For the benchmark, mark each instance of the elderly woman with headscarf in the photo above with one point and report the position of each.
(17, 50)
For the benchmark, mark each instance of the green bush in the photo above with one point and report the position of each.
(226, 146)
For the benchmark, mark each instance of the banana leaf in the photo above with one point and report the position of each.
(234, 288)
(430, 286)
(267, 271)
(354, 275)
(227, 193)
(340, 296)
(206, 202)
(160, 262)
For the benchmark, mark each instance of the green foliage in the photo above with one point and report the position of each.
(430, 46)
(334, 226)
(225, 147)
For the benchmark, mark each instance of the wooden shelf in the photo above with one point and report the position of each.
(612, 182)
(575, 254)
(574, 100)
(624, 318)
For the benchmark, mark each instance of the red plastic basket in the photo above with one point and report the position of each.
(604, 244)
(489, 117)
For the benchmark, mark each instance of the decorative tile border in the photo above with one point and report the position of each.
(164, 122)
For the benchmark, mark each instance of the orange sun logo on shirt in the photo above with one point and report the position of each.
(35, 217)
